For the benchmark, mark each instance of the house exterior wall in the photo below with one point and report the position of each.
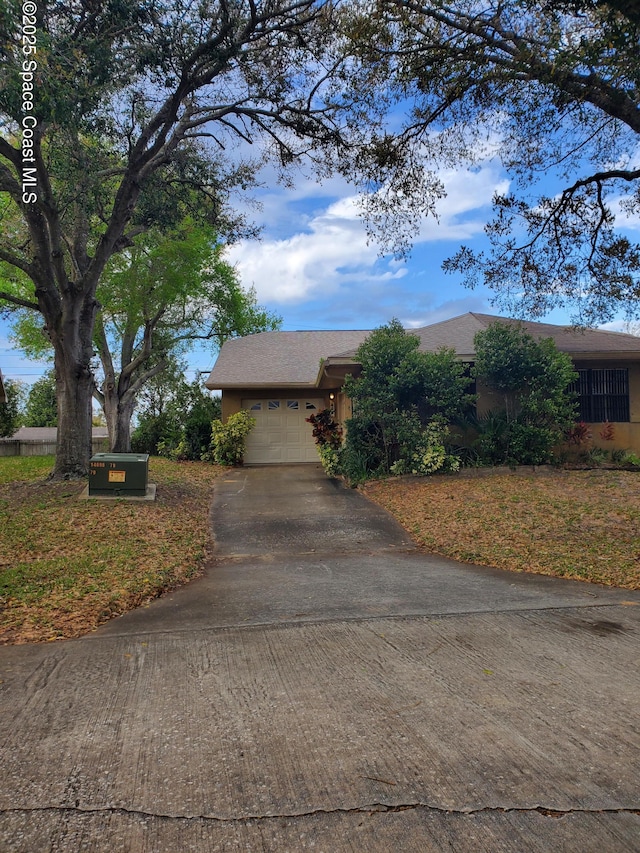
(626, 435)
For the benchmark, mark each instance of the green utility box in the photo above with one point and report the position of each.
(119, 474)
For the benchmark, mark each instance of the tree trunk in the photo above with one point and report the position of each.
(118, 414)
(74, 387)
(72, 339)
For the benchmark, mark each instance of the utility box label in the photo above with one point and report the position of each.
(117, 476)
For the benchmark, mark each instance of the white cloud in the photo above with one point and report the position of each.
(314, 247)
(468, 192)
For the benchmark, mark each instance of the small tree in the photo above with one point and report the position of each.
(11, 411)
(534, 378)
(176, 418)
(398, 391)
(41, 409)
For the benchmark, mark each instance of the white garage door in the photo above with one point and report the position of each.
(281, 433)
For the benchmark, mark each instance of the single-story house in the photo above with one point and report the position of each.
(283, 377)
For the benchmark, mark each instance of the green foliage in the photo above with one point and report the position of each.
(134, 106)
(176, 421)
(330, 459)
(446, 384)
(11, 411)
(534, 378)
(363, 453)
(552, 90)
(326, 431)
(41, 409)
(632, 459)
(399, 389)
(430, 454)
(154, 431)
(228, 439)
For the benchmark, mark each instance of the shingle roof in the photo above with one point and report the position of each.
(278, 358)
(293, 358)
(459, 332)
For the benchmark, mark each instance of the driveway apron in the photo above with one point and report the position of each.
(328, 686)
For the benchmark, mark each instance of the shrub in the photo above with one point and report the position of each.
(430, 454)
(632, 459)
(228, 439)
(578, 434)
(398, 389)
(330, 460)
(325, 429)
(534, 379)
(182, 428)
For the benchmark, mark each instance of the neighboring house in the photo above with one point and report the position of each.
(283, 377)
(3, 393)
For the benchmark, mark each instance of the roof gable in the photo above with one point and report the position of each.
(278, 358)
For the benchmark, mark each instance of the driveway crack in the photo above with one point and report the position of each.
(369, 808)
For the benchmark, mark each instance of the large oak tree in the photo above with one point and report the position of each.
(101, 112)
(553, 90)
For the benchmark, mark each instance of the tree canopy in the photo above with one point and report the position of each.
(40, 408)
(553, 90)
(115, 117)
(159, 298)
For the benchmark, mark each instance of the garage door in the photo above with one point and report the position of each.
(281, 433)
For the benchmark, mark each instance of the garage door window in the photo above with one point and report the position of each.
(309, 406)
(293, 405)
(257, 407)
(274, 404)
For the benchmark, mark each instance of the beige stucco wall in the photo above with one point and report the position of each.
(626, 436)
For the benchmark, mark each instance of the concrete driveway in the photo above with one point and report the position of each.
(328, 687)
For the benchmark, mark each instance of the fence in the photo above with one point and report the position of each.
(43, 446)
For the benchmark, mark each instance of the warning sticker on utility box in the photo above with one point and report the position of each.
(117, 476)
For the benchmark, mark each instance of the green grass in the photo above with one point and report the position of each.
(66, 565)
(24, 469)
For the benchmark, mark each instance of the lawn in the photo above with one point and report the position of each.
(67, 565)
(572, 524)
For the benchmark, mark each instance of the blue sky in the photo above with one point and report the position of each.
(316, 268)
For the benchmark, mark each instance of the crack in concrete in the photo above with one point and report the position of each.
(370, 808)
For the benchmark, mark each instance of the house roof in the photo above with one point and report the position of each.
(278, 358)
(458, 333)
(294, 358)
